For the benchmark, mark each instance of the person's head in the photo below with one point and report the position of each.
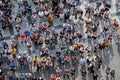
(82, 57)
(89, 55)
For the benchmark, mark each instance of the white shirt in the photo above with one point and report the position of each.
(29, 59)
(20, 1)
(41, 0)
(72, 17)
(89, 48)
(61, 5)
(61, 15)
(76, 21)
(82, 61)
(34, 68)
(69, 1)
(41, 13)
(10, 57)
(46, 12)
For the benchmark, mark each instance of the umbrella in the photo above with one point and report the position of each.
(27, 33)
(22, 36)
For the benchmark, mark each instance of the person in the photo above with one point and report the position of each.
(50, 18)
(88, 59)
(72, 73)
(35, 59)
(66, 74)
(1, 34)
(87, 13)
(91, 68)
(40, 78)
(21, 63)
(16, 78)
(105, 29)
(102, 79)
(17, 28)
(58, 78)
(10, 74)
(2, 77)
(34, 78)
(112, 74)
(110, 38)
(74, 59)
(29, 45)
(14, 51)
(20, 2)
(41, 13)
(99, 62)
(41, 1)
(46, 12)
(95, 76)
(58, 71)
(36, 2)
(61, 5)
(83, 74)
(106, 16)
(105, 43)
(107, 6)
(66, 17)
(82, 62)
(107, 70)
(99, 3)
(52, 77)
(79, 35)
(67, 61)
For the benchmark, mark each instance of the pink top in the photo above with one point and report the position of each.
(36, 0)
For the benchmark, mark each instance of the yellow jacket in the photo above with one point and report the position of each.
(50, 19)
(36, 59)
(13, 51)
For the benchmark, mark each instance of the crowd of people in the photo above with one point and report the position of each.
(71, 59)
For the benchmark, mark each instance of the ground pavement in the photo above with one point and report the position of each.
(111, 57)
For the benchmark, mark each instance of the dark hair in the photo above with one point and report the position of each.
(16, 78)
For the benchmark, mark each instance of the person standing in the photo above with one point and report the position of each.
(17, 28)
(10, 74)
(72, 73)
(95, 76)
(83, 74)
(112, 74)
(20, 2)
(50, 19)
(107, 72)
(1, 34)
